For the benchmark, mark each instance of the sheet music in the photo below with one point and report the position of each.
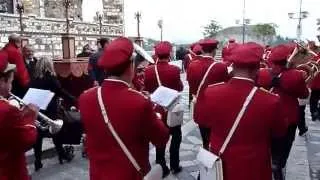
(164, 96)
(38, 97)
(206, 158)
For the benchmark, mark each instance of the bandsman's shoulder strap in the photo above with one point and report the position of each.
(237, 121)
(204, 78)
(157, 75)
(115, 134)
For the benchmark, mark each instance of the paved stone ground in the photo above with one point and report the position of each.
(298, 168)
(313, 146)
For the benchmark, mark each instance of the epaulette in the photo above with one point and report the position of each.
(216, 84)
(90, 89)
(268, 92)
(12, 103)
(137, 92)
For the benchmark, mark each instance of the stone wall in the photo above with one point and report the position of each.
(31, 7)
(236, 33)
(113, 11)
(55, 9)
(45, 33)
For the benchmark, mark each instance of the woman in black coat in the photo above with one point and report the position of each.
(44, 77)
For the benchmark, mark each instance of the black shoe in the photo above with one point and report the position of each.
(176, 170)
(65, 157)
(37, 166)
(165, 171)
(303, 131)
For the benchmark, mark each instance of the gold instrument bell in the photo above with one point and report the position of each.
(303, 59)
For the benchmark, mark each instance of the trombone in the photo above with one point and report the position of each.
(54, 126)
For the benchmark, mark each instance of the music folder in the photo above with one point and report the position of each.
(164, 96)
(38, 97)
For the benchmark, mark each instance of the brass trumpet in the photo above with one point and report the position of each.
(54, 126)
(301, 59)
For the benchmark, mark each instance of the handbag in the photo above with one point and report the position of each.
(175, 111)
(211, 166)
(155, 173)
(194, 99)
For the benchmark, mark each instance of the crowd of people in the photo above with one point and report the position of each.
(247, 107)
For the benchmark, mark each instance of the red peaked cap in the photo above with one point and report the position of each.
(247, 55)
(227, 51)
(281, 52)
(209, 43)
(117, 55)
(163, 48)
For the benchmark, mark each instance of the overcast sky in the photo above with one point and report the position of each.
(184, 19)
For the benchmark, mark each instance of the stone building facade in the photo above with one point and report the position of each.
(235, 32)
(44, 32)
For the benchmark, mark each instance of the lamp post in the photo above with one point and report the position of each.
(138, 18)
(160, 25)
(99, 18)
(318, 24)
(301, 15)
(20, 9)
(67, 5)
(68, 41)
(244, 23)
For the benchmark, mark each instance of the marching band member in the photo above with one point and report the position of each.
(17, 128)
(197, 70)
(247, 156)
(189, 56)
(226, 51)
(315, 88)
(130, 113)
(138, 80)
(290, 85)
(169, 76)
(13, 51)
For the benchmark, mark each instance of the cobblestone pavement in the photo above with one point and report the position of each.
(313, 146)
(298, 168)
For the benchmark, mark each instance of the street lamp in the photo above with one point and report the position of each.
(99, 18)
(244, 23)
(67, 5)
(299, 16)
(137, 16)
(318, 24)
(20, 9)
(160, 25)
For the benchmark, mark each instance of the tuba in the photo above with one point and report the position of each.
(306, 60)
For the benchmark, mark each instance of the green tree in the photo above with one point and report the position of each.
(212, 29)
(265, 31)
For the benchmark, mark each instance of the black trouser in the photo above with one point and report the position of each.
(280, 150)
(190, 98)
(205, 135)
(314, 99)
(302, 119)
(174, 149)
(37, 147)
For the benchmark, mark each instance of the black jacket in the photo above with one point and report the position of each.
(50, 82)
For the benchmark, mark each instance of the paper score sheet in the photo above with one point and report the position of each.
(38, 97)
